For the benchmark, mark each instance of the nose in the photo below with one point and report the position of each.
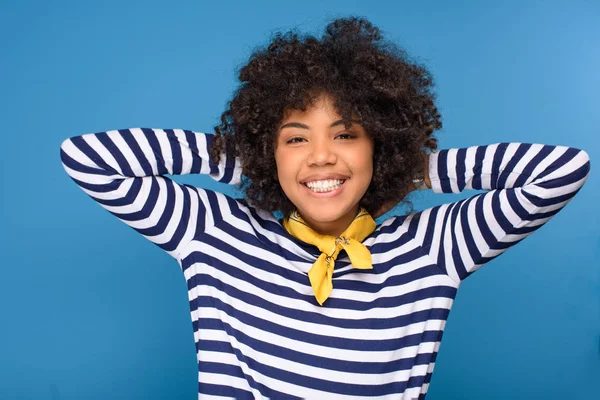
(321, 153)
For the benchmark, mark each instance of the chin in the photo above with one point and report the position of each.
(324, 214)
(323, 217)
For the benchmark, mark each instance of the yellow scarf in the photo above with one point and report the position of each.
(321, 273)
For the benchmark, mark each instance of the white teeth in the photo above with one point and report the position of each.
(325, 186)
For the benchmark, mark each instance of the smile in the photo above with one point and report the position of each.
(325, 186)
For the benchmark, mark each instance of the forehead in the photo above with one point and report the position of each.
(322, 106)
(321, 112)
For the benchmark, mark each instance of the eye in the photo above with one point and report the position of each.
(345, 136)
(295, 140)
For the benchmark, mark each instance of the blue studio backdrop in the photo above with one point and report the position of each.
(91, 310)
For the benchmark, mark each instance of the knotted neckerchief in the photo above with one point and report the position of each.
(321, 273)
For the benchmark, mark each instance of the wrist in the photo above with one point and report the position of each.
(426, 179)
(421, 181)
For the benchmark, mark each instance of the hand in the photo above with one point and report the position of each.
(426, 171)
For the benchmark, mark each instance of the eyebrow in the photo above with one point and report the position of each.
(299, 125)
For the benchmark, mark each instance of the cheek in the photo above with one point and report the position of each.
(284, 170)
(367, 168)
(365, 163)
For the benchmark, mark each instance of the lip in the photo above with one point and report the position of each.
(324, 177)
(322, 195)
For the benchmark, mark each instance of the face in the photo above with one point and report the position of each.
(323, 168)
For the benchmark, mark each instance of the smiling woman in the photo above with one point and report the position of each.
(323, 303)
(323, 168)
(350, 74)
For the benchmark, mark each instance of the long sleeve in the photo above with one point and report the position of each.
(122, 171)
(526, 185)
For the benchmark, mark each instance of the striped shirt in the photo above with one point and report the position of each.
(258, 329)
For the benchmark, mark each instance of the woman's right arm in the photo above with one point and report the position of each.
(123, 171)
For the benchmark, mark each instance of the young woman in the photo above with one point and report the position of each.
(323, 303)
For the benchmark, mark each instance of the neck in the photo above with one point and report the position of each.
(332, 228)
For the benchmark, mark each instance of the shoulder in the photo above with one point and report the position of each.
(390, 230)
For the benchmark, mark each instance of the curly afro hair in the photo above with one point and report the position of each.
(364, 76)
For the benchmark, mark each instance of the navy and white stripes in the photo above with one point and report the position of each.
(527, 184)
(259, 331)
(121, 171)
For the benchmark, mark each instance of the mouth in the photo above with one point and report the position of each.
(328, 186)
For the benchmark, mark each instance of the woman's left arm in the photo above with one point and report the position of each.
(527, 184)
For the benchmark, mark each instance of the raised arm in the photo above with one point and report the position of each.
(122, 171)
(527, 184)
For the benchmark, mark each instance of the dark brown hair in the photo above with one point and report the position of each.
(364, 75)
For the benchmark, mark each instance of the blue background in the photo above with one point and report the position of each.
(90, 310)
